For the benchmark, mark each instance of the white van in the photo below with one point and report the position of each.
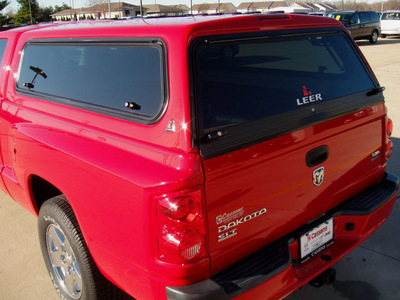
(390, 23)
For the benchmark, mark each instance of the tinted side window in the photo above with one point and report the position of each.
(3, 44)
(374, 16)
(364, 17)
(355, 19)
(343, 18)
(96, 77)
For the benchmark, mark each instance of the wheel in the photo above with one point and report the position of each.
(374, 37)
(71, 267)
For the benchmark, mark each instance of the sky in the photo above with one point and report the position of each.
(81, 3)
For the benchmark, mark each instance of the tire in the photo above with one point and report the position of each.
(67, 258)
(374, 37)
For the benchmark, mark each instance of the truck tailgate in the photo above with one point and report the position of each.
(261, 193)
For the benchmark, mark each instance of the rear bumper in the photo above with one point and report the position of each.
(274, 272)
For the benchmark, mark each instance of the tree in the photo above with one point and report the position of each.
(44, 14)
(3, 19)
(3, 4)
(23, 16)
(392, 4)
(60, 8)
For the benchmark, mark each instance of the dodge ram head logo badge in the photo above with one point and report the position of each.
(318, 176)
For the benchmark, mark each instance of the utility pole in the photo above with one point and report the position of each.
(30, 11)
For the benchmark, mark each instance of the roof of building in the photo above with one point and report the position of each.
(211, 6)
(306, 5)
(261, 5)
(116, 6)
(158, 8)
(182, 6)
(326, 6)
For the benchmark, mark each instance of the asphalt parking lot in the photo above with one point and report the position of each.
(371, 272)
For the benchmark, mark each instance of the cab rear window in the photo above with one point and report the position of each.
(243, 80)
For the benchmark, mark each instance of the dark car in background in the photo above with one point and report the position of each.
(362, 24)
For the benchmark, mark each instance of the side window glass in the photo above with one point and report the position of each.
(355, 19)
(364, 17)
(373, 16)
(3, 44)
(100, 77)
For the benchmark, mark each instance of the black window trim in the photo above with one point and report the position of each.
(128, 116)
(240, 136)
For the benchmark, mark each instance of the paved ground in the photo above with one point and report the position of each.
(371, 272)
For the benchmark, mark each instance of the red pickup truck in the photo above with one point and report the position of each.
(201, 157)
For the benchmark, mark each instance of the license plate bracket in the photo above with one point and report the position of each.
(316, 239)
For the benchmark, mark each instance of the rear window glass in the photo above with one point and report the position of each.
(99, 76)
(247, 80)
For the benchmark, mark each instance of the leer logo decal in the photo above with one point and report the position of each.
(308, 97)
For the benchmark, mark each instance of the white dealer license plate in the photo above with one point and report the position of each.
(315, 240)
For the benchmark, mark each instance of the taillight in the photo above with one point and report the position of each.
(180, 227)
(388, 142)
(389, 127)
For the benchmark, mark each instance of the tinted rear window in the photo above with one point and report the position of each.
(247, 80)
(100, 77)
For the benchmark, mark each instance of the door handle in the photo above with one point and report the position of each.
(317, 156)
